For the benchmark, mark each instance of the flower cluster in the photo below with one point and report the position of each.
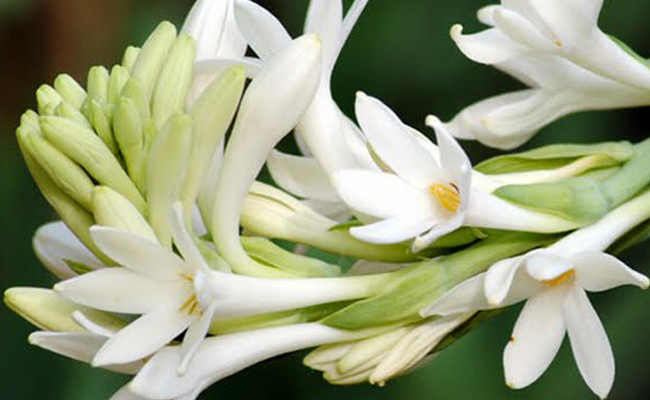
(179, 267)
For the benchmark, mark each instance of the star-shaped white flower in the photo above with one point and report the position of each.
(165, 288)
(554, 285)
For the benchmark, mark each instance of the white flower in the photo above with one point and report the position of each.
(554, 282)
(222, 356)
(556, 48)
(324, 134)
(424, 192)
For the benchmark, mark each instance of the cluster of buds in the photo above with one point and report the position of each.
(178, 267)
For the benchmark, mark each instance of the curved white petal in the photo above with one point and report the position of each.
(443, 227)
(499, 279)
(263, 32)
(325, 18)
(597, 272)
(383, 195)
(488, 47)
(546, 266)
(335, 210)
(591, 348)
(183, 241)
(486, 14)
(126, 394)
(465, 297)
(208, 68)
(350, 20)
(536, 339)
(143, 337)
(54, 244)
(392, 230)
(137, 253)
(196, 332)
(301, 176)
(118, 290)
(91, 326)
(570, 21)
(394, 145)
(222, 356)
(522, 30)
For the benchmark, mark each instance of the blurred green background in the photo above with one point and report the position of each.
(399, 52)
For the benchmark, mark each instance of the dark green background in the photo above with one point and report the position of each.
(401, 53)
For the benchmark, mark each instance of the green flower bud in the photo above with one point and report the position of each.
(98, 78)
(67, 111)
(112, 209)
(128, 129)
(70, 90)
(119, 76)
(133, 91)
(152, 56)
(166, 165)
(130, 57)
(48, 99)
(268, 253)
(30, 120)
(48, 311)
(84, 147)
(102, 124)
(174, 81)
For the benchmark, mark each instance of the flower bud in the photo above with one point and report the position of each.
(129, 134)
(67, 111)
(119, 76)
(70, 90)
(48, 99)
(97, 85)
(152, 56)
(130, 57)
(102, 124)
(112, 209)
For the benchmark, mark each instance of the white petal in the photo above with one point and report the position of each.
(182, 239)
(143, 337)
(591, 348)
(486, 14)
(546, 266)
(118, 290)
(394, 145)
(499, 278)
(54, 243)
(488, 47)
(91, 326)
(440, 229)
(263, 32)
(453, 160)
(324, 18)
(383, 195)
(597, 272)
(222, 356)
(392, 230)
(195, 334)
(522, 30)
(536, 339)
(335, 210)
(209, 68)
(570, 21)
(465, 297)
(350, 20)
(137, 253)
(126, 394)
(301, 176)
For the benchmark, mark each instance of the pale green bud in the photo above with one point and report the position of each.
(166, 165)
(63, 172)
(119, 76)
(98, 78)
(68, 111)
(152, 56)
(48, 311)
(112, 209)
(47, 99)
(75, 217)
(128, 129)
(84, 147)
(130, 57)
(174, 81)
(30, 119)
(370, 351)
(70, 90)
(134, 92)
(268, 253)
(102, 124)
(212, 114)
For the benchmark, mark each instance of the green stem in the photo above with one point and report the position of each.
(633, 176)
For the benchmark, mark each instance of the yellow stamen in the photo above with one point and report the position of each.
(190, 305)
(448, 196)
(560, 279)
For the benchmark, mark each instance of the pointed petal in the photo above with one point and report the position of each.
(350, 20)
(143, 337)
(499, 278)
(195, 334)
(222, 356)
(263, 32)
(91, 326)
(570, 21)
(488, 47)
(440, 229)
(137, 253)
(54, 243)
(486, 14)
(394, 145)
(208, 68)
(183, 241)
(546, 266)
(591, 348)
(324, 18)
(453, 160)
(117, 290)
(392, 230)
(382, 195)
(522, 30)
(535, 340)
(301, 176)
(597, 272)
(466, 297)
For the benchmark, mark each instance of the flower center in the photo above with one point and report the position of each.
(447, 195)
(560, 279)
(190, 306)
